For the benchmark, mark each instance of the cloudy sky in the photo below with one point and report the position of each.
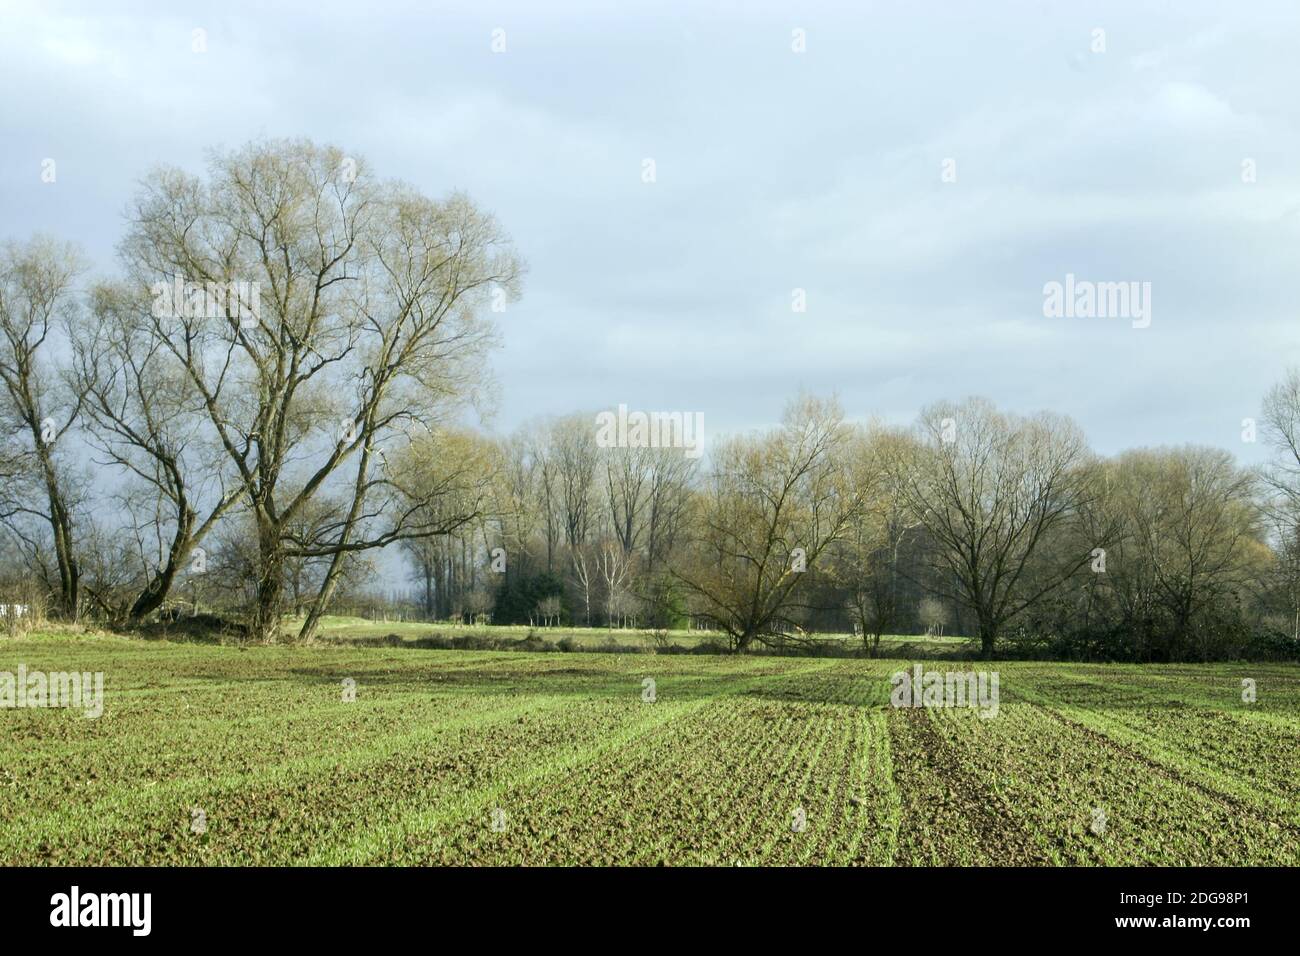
(1115, 144)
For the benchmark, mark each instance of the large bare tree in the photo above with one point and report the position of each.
(359, 315)
(771, 507)
(992, 490)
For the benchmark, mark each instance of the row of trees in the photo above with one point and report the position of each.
(269, 392)
(1002, 527)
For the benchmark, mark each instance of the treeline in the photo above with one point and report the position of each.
(1005, 528)
(268, 393)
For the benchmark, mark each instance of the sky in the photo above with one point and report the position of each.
(912, 174)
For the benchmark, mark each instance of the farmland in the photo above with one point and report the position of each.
(480, 758)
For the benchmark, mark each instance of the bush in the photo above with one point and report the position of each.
(1271, 644)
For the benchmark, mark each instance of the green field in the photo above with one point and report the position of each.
(584, 771)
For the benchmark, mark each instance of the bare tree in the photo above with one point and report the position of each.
(1286, 565)
(933, 615)
(575, 456)
(536, 454)
(616, 567)
(627, 485)
(365, 317)
(446, 483)
(1190, 540)
(992, 489)
(772, 506)
(1282, 476)
(518, 509)
(867, 560)
(37, 405)
(584, 575)
(147, 421)
(548, 609)
(671, 478)
(1282, 431)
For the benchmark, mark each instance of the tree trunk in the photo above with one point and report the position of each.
(160, 585)
(61, 526)
(988, 636)
(269, 599)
